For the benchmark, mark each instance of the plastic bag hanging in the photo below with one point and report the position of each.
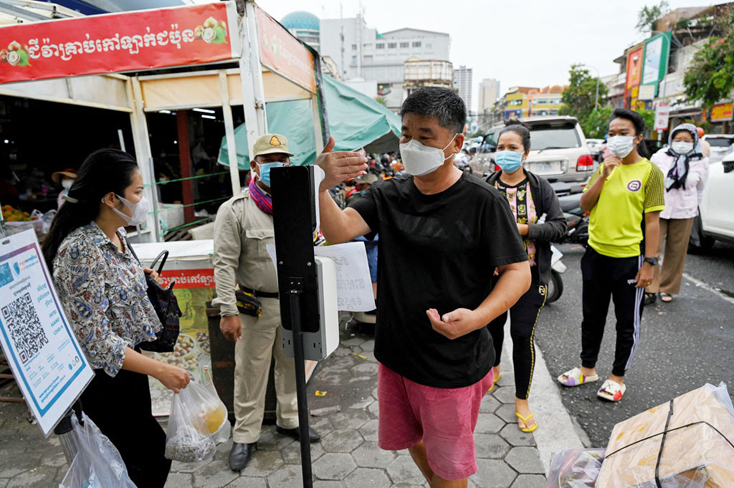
(198, 421)
(98, 463)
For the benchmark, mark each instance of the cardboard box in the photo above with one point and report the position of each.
(693, 456)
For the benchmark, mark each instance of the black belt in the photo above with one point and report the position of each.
(259, 294)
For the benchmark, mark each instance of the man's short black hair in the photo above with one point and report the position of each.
(441, 103)
(632, 116)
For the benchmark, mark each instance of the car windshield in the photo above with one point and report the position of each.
(719, 141)
(546, 136)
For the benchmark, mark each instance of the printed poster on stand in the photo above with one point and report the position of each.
(37, 339)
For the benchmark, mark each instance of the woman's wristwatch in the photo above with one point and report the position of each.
(653, 260)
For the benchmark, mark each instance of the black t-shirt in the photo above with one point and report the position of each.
(436, 251)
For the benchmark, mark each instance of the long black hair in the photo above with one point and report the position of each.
(104, 171)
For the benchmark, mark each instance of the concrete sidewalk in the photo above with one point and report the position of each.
(344, 409)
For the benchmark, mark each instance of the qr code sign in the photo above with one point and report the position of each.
(24, 326)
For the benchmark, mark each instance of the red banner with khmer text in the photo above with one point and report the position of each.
(130, 41)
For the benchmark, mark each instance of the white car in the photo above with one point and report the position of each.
(720, 144)
(716, 219)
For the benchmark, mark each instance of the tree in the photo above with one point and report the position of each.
(596, 124)
(381, 100)
(647, 15)
(580, 96)
(710, 77)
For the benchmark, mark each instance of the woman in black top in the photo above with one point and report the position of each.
(540, 221)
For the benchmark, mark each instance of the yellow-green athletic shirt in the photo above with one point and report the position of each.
(615, 225)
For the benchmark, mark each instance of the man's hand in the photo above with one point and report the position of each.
(231, 327)
(455, 324)
(523, 229)
(339, 166)
(609, 165)
(644, 276)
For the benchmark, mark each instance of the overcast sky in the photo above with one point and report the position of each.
(518, 42)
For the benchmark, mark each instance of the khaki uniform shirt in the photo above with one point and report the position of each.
(242, 233)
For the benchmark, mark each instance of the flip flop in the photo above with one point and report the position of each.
(495, 382)
(575, 377)
(611, 391)
(666, 297)
(525, 420)
(650, 298)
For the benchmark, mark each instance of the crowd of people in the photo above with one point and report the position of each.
(457, 255)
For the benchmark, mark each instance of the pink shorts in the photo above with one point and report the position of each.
(443, 418)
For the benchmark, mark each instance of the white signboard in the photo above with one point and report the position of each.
(354, 286)
(662, 116)
(38, 341)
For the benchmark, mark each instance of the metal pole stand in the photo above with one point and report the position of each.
(296, 289)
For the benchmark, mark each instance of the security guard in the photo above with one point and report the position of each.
(242, 232)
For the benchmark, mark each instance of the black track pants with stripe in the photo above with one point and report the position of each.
(605, 277)
(523, 320)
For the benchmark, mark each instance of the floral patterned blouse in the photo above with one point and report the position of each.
(104, 294)
(522, 205)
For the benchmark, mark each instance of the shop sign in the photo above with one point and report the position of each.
(657, 51)
(129, 41)
(722, 112)
(284, 54)
(188, 278)
(634, 68)
(662, 116)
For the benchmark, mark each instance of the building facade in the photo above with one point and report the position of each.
(305, 26)
(418, 74)
(487, 95)
(362, 53)
(463, 83)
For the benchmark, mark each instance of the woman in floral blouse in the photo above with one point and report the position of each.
(103, 291)
(540, 221)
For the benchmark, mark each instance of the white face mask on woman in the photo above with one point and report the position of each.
(682, 147)
(139, 211)
(621, 146)
(420, 160)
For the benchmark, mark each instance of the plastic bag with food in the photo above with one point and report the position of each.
(575, 468)
(198, 421)
(98, 463)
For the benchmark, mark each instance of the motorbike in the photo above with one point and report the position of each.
(577, 232)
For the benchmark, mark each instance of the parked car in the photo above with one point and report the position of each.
(720, 144)
(558, 151)
(596, 147)
(716, 219)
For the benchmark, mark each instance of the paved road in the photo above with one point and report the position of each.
(683, 344)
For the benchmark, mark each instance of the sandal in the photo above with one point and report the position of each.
(650, 298)
(495, 382)
(575, 377)
(611, 391)
(526, 429)
(666, 297)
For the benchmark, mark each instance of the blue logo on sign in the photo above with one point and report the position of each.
(5, 275)
(16, 267)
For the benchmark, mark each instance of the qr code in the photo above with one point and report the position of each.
(25, 327)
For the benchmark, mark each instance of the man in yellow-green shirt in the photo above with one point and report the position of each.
(625, 197)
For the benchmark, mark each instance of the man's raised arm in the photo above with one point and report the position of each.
(339, 225)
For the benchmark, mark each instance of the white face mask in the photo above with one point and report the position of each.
(621, 146)
(420, 160)
(66, 184)
(682, 147)
(139, 211)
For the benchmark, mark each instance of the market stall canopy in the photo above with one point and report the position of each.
(355, 121)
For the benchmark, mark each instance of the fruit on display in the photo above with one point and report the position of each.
(11, 214)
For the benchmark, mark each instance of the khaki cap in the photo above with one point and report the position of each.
(68, 172)
(271, 144)
(366, 179)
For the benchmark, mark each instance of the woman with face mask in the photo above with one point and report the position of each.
(686, 170)
(540, 221)
(66, 180)
(102, 288)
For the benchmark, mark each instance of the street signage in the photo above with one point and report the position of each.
(722, 112)
(284, 54)
(127, 41)
(647, 92)
(39, 344)
(657, 51)
(662, 116)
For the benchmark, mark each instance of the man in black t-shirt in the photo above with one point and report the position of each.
(442, 234)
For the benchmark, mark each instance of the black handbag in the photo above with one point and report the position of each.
(166, 307)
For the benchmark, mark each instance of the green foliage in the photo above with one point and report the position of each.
(710, 77)
(578, 101)
(647, 15)
(381, 100)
